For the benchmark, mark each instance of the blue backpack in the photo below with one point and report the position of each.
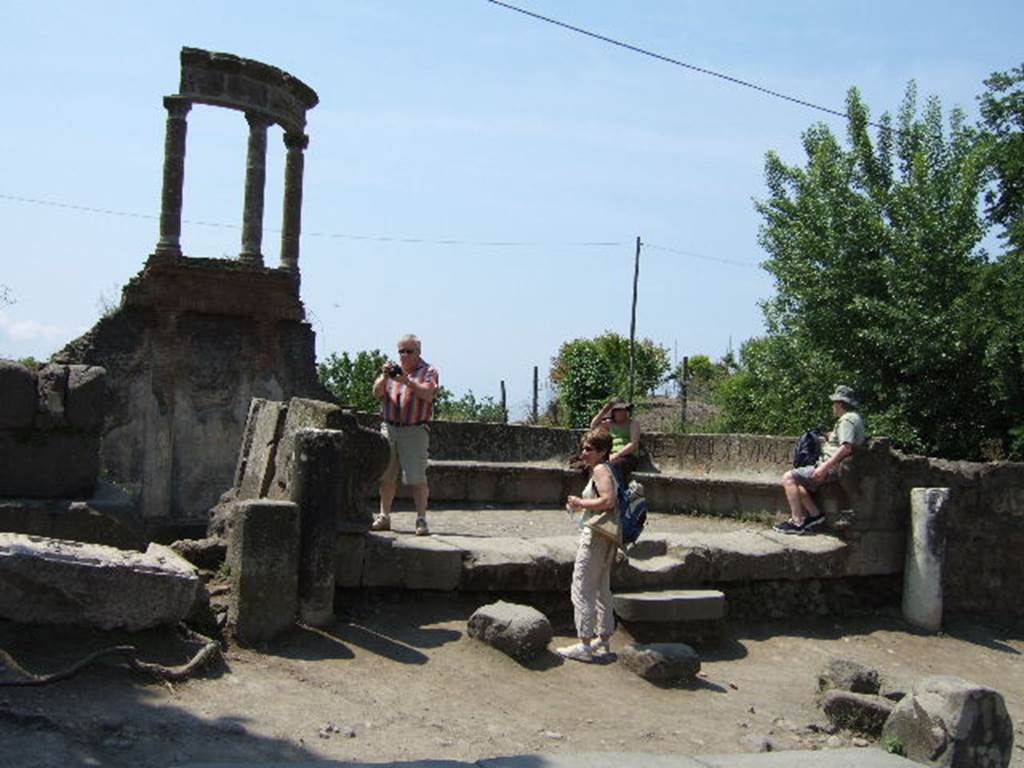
(808, 449)
(632, 507)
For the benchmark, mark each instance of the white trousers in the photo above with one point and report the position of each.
(591, 585)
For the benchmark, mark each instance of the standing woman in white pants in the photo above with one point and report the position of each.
(600, 538)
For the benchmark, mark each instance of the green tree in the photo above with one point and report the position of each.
(587, 372)
(467, 408)
(350, 379)
(879, 283)
(1002, 111)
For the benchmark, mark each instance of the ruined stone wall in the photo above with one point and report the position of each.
(191, 345)
(984, 532)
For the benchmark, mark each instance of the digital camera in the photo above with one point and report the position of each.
(394, 371)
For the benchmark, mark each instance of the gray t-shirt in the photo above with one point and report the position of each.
(848, 429)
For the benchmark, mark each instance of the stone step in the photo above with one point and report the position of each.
(670, 605)
(453, 562)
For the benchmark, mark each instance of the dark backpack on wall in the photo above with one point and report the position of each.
(808, 449)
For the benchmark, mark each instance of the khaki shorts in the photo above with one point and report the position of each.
(409, 446)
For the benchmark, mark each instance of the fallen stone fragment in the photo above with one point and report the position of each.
(50, 581)
(661, 662)
(206, 553)
(848, 675)
(518, 630)
(949, 721)
(860, 712)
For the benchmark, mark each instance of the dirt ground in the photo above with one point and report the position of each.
(398, 679)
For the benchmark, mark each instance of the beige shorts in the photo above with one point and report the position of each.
(409, 446)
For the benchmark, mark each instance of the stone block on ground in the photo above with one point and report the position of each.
(926, 551)
(411, 562)
(693, 616)
(949, 721)
(109, 517)
(263, 558)
(861, 712)
(257, 454)
(49, 581)
(18, 404)
(518, 630)
(661, 662)
(848, 675)
(206, 553)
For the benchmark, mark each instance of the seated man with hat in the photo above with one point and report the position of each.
(801, 482)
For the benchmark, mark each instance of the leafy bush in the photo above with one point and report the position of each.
(350, 379)
(467, 407)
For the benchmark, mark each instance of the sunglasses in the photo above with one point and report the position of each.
(407, 351)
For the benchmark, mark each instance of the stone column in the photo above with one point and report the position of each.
(169, 244)
(255, 179)
(317, 489)
(926, 549)
(291, 226)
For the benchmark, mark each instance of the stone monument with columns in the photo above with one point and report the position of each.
(195, 339)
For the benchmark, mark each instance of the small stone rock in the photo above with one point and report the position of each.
(860, 741)
(661, 662)
(848, 675)
(834, 742)
(858, 712)
(553, 735)
(518, 630)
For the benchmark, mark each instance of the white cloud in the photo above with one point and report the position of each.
(29, 331)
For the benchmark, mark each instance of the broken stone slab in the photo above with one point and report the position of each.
(18, 403)
(520, 631)
(661, 662)
(860, 712)
(263, 561)
(50, 581)
(949, 721)
(207, 553)
(257, 455)
(848, 675)
(109, 517)
(670, 605)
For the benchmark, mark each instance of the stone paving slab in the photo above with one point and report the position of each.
(826, 758)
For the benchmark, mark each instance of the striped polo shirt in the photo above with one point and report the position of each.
(402, 406)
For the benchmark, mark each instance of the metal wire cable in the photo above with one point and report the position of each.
(677, 62)
(702, 256)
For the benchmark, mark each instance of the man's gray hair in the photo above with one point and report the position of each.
(413, 338)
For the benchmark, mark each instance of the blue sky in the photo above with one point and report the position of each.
(454, 120)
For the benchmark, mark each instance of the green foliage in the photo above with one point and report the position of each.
(467, 407)
(350, 379)
(587, 372)
(704, 374)
(1002, 111)
(894, 745)
(880, 285)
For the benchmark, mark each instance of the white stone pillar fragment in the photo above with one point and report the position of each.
(926, 549)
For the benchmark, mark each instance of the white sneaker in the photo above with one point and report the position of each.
(601, 648)
(579, 652)
(381, 523)
(421, 527)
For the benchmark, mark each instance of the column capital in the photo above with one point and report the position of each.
(257, 120)
(296, 140)
(177, 106)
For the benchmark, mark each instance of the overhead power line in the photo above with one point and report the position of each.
(692, 254)
(676, 62)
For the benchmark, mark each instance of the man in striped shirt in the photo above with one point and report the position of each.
(407, 391)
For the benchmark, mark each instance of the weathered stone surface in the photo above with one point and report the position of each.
(860, 712)
(18, 402)
(256, 458)
(86, 401)
(48, 464)
(49, 581)
(51, 383)
(263, 558)
(848, 675)
(348, 560)
(949, 721)
(206, 553)
(661, 662)
(317, 490)
(410, 562)
(108, 517)
(670, 605)
(518, 630)
(926, 550)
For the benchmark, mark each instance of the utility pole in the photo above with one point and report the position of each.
(632, 322)
(536, 412)
(504, 407)
(683, 378)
